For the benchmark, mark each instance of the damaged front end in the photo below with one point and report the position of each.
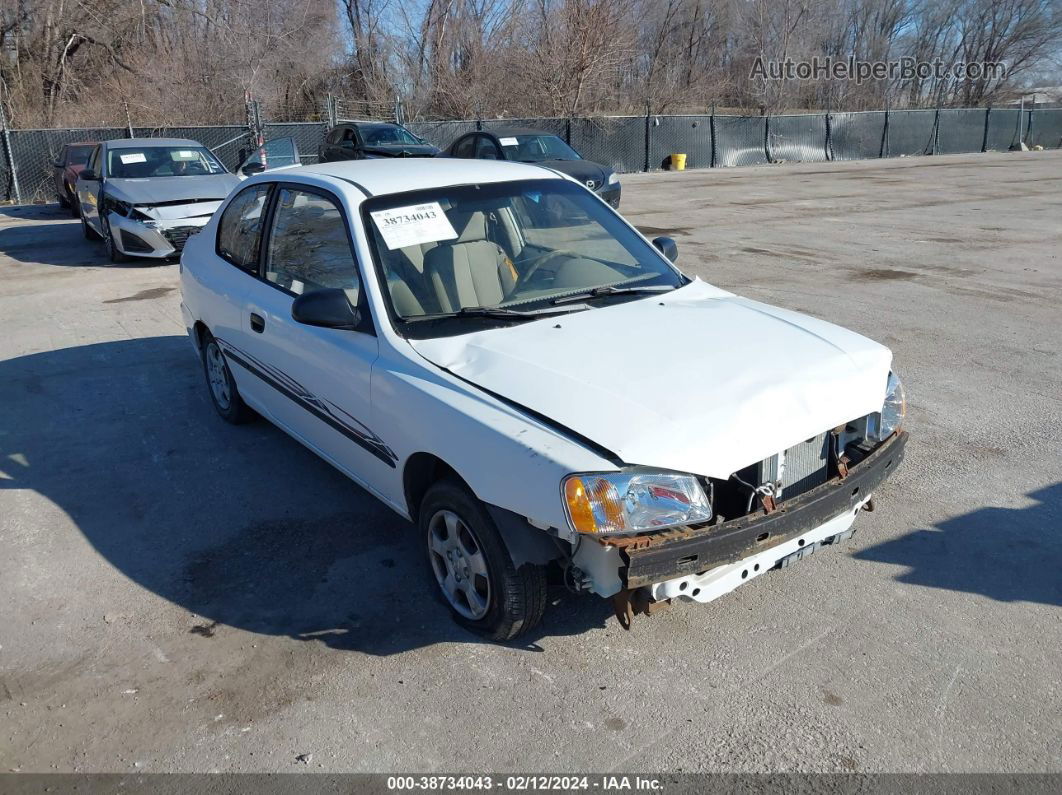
(157, 230)
(765, 516)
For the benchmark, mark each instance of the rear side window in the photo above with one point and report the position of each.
(78, 155)
(309, 248)
(240, 228)
(466, 147)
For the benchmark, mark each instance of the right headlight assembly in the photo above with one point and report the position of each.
(893, 411)
(631, 502)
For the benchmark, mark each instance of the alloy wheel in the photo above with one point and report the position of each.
(459, 564)
(217, 376)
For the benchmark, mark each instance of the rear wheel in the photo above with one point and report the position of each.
(222, 386)
(472, 566)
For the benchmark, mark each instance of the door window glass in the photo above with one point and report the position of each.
(309, 248)
(240, 228)
(485, 149)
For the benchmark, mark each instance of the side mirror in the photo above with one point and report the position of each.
(346, 144)
(59, 164)
(89, 175)
(251, 169)
(327, 308)
(667, 246)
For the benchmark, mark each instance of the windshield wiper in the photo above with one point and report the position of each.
(492, 312)
(597, 292)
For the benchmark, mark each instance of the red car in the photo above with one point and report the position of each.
(68, 165)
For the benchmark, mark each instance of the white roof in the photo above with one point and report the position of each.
(399, 174)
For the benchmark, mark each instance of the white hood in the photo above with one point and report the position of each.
(696, 380)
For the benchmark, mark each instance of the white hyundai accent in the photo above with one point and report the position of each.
(502, 359)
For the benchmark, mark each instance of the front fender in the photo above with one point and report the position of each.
(509, 459)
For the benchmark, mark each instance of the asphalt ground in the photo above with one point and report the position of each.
(180, 595)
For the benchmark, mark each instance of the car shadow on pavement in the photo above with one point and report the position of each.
(241, 526)
(1007, 554)
(58, 243)
(35, 212)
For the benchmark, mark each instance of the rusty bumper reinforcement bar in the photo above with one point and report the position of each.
(713, 545)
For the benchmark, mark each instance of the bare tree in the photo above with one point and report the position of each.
(184, 61)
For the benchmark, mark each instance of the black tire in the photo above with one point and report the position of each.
(517, 596)
(235, 411)
(115, 255)
(75, 209)
(63, 201)
(88, 231)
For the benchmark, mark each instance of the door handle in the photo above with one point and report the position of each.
(257, 323)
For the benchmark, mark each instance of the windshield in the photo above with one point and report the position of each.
(536, 148)
(79, 155)
(387, 135)
(162, 161)
(522, 246)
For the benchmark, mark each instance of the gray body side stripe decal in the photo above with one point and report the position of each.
(362, 436)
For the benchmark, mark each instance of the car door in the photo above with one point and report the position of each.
(350, 147)
(318, 378)
(227, 287)
(59, 171)
(343, 144)
(331, 145)
(89, 191)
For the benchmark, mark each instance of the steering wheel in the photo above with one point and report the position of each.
(549, 256)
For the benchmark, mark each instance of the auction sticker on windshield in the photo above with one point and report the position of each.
(414, 225)
(509, 142)
(136, 157)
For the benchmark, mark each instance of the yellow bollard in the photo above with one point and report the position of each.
(678, 162)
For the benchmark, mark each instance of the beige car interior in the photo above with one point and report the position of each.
(471, 270)
(309, 250)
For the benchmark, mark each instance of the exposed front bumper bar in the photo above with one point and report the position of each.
(711, 546)
(723, 579)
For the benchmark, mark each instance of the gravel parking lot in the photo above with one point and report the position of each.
(183, 595)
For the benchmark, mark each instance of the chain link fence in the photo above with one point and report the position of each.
(802, 138)
(910, 132)
(739, 140)
(623, 143)
(857, 136)
(688, 135)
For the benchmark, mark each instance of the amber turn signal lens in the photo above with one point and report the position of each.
(579, 510)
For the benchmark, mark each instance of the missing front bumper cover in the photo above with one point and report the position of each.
(697, 550)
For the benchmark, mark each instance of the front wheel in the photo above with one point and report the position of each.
(88, 231)
(113, 252)
(484, 590)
